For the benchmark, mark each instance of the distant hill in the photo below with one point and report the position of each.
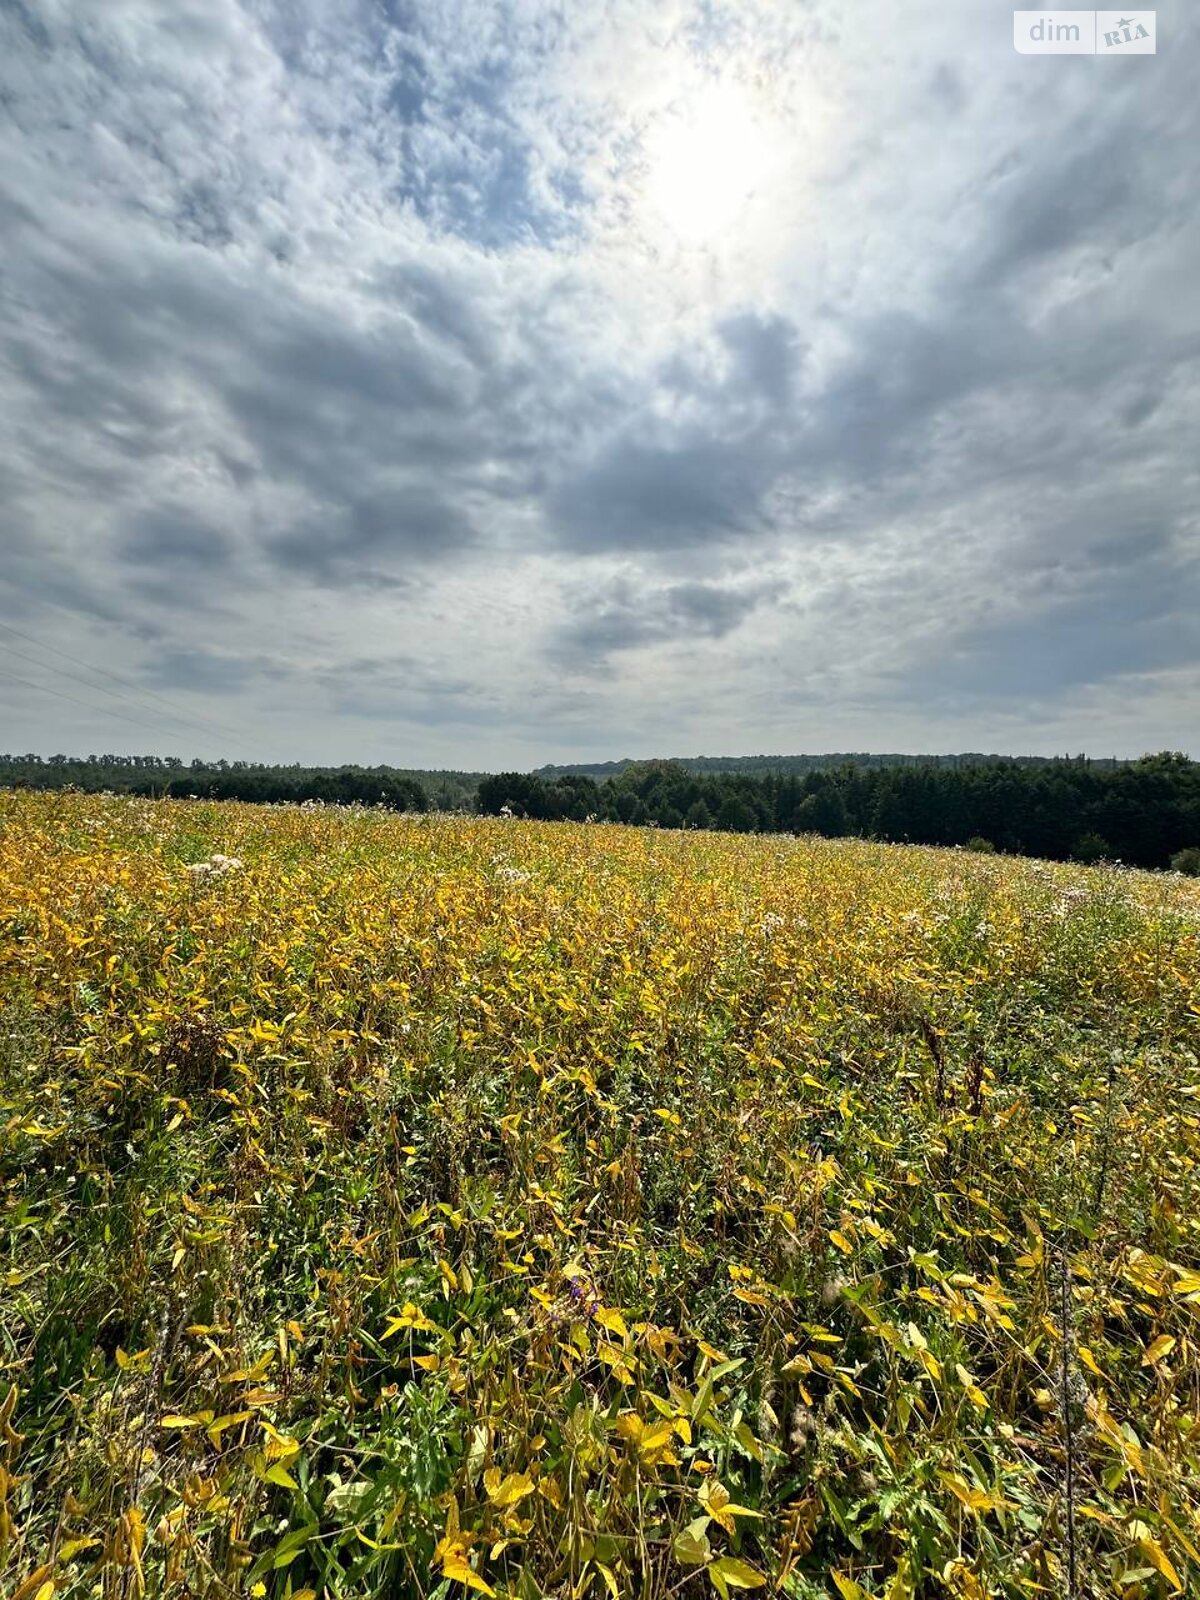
(799, 765)
(243, 780)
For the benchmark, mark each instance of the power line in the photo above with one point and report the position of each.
(58, 694)
(74, 677)
(199, 720)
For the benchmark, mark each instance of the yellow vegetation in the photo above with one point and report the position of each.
(419, 1204)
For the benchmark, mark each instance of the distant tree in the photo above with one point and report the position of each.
(735, 815)
(980, 845)
(575, 797)
(1187, 861)
(513, 791)
(697, 816)
(823, 811)
(1090, 848)
(628, 805)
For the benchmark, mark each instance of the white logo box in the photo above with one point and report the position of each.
(1085, 33)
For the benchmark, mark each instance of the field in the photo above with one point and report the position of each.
(411, 1206)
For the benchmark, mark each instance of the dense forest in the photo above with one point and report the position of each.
(397, 788)
(799, 766)
(1142, 812)
(1145, 813)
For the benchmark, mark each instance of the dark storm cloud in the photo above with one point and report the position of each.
(374, 538)
(629, 615)
(1102, 188)
(1142, 623)
(402, 687)
(294, 394)
(658, 485)
(662, 496)
(175, 541)
(205, 671)
(765, 355)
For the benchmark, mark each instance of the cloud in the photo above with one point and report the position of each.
(697, 462)
(171, 539)
(395, 525)
(204, 671)
(361, 333)
(628, 616)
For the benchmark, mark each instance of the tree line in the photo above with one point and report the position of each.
(801, 765)
(1145, 813)
(169, 777)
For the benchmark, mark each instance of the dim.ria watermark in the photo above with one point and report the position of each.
(1085, 33)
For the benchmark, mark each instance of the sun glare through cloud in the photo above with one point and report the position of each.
(707, 159)
(494, 385)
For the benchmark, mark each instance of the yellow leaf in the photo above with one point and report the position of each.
(612, 1320)
(34, 1585)
(691, 1547)
(977, 1500)
(1158, 1558)
(278, 1446)
(410, 1316)
(509, 1491)
(709, 1350)
(751, 1297)
(1089, 1360)
(974, 1393)
(966, 1583)
(654, 1441)
(1179, 1534)
(737, 1574)
(230, 1420)
(848, 1588)
(622, 1365)
(610, 1581)
(455, 1567)
(838, 1238)
(1162, 1346)
(74, 1546)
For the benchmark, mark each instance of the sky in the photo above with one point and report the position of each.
(484, 384)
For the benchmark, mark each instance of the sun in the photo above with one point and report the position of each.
(707, 157)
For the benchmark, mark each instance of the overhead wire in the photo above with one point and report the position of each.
(197, 720)
(159, 717)
(46, 688)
